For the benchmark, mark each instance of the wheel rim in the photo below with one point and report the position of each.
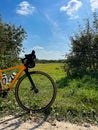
(40, 101)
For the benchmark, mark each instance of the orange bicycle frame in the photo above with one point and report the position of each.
(21, 68)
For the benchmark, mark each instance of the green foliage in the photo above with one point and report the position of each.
(84, 51)
(11, 38)
(76, 101)
(78, 98)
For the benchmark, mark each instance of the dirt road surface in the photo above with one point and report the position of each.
(15, 123)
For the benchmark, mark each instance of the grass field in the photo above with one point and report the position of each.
(76, 101)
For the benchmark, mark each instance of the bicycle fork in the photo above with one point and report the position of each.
(31, 81)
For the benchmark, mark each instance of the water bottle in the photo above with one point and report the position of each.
(12, 76)
(5, 79)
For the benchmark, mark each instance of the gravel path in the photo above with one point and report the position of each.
(15, 123)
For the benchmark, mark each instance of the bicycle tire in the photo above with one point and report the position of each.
(36, 102)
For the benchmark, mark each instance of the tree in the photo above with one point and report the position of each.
(11, 38)
(84, 51)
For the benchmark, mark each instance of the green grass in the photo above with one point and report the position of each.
(76, 101)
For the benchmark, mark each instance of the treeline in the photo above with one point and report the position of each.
(11, 38)
(84, 48)
(49, 61)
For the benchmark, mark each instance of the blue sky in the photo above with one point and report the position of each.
(48, 23)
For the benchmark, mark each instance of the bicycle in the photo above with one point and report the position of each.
(35, 90)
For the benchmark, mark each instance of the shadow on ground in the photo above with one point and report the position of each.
(15, 122)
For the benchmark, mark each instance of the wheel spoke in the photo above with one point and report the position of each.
(42, 98)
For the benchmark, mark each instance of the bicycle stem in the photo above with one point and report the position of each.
(31, 81)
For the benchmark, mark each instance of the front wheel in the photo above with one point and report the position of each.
(31, 101)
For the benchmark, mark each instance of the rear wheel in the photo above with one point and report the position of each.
(28, 99)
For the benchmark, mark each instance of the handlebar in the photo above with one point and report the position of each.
(31, 55)
(29, 60)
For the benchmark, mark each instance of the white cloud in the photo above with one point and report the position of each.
(25, 8)
(42, 53)
(49, 55)
(71, 8)
(38, 47)
(94, 4)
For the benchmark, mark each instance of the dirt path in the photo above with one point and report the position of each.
(15, 123)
